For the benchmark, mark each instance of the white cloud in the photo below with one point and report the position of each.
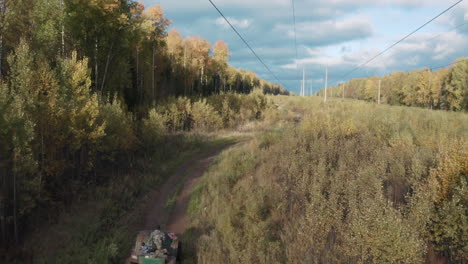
(404, 3)
(416, 53)
(240, 23)
(329, 31)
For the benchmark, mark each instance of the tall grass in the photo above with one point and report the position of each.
(342, 182)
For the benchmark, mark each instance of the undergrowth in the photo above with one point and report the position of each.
(342, 182)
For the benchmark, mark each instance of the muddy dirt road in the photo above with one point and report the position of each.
(175, 219)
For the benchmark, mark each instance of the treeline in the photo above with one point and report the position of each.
(352, 183)
(445, 89)
(89, 85)
(130, 53)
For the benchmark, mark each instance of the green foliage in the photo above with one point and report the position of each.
(205, 117)
(47, 19)
(21, 72)
(456, 91)
(79, 111)
(20, 189)
(153, 129)
(204, 114)
(450, 225)
(178, 114)
(119, 132)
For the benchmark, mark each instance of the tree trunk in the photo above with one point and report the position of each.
(152, 70)
(96, 75)
(107, 66)
(215, 83)
(1, 57)
(185, 55)
(2, 30)
(41, 172)
(15, 218)
(3, 212)
(137, 73)
(201, 75)
(63, 30)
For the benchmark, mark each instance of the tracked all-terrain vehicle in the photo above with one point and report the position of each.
(156, 247)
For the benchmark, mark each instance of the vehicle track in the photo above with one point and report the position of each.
(176, 219)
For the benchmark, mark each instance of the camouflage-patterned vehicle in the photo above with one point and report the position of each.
(156, 247)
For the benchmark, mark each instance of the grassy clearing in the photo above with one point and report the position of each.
(342, 182)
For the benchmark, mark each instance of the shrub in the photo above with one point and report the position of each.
(178, 113)
(205, 117)
(119, 132)
(449, 224)
(153, 129)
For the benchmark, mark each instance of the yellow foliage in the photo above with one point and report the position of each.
(453, 166)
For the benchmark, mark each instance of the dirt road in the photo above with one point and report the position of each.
(175, 219)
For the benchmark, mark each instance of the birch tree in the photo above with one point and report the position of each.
(4, 6)
(156, 25)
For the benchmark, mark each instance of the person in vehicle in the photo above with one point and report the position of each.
(144, 250)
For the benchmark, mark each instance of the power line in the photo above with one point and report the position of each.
(401, 40)
(456, 27)
(247, 44)
(295, 39)
(438, 35)
(450, 30)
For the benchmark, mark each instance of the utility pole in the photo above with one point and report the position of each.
(302, 88)
(311, 89)
(430, 89)
(343, 89)
(378, 97)
(326, 84)
(303, 82)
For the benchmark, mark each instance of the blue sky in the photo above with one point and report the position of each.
(339, 33)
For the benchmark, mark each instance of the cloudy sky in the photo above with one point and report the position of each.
(339, 33)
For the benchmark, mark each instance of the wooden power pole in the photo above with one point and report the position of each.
(303, 88)
(343, 90)
(326, 84)
(311, 89)
(378, 97)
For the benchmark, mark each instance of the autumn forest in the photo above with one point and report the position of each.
(77, 79)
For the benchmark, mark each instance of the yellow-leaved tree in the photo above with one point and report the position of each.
(78, 116)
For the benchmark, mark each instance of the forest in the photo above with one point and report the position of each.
(89, 88)
(446, 88)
